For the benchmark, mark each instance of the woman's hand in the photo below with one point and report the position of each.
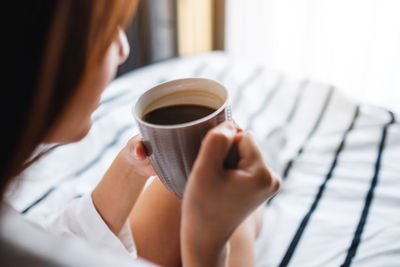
(217, 200)
(120, 187)
(135, 154)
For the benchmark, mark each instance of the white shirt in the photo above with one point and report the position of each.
(80, 219)
(59, 241)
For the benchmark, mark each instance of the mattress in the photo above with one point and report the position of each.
(339, 204)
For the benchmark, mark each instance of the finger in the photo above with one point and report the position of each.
(216, 144)
(136, 148)
(136, 152)
(239, 129)
(248, 149)
(140, 151)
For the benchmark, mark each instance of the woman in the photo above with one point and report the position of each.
(71, 52)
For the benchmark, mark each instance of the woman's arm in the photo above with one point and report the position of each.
(100, 218)
(122, 184)
(217, 200)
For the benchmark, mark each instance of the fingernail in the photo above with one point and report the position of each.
(239, 129)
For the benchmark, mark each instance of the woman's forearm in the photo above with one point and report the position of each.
(118, 191)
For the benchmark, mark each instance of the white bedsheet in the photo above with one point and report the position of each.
(340, 160)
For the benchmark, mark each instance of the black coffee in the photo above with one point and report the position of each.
(177, 114)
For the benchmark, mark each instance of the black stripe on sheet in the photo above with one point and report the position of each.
(239, 91)
(310, 134)
(275, 88)
(299, 94)
(40, 199)
(82, 170)
(290, 250)
(368, 200)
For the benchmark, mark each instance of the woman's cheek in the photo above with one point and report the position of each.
(113, 62)
(100, 81)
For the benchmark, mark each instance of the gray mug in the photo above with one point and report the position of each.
(173, 148)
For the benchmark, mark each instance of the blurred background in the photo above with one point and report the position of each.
(353, 44)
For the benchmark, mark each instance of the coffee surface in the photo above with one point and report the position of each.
(177, 114)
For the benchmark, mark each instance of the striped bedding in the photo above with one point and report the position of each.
(339, 160)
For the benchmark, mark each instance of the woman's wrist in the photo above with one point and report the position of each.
(198, 254)
(201, 244)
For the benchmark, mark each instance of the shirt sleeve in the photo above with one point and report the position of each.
(80, 219)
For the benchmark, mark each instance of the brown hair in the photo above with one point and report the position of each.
(64, 43)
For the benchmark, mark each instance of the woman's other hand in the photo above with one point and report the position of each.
(217, 200)
(135, 154)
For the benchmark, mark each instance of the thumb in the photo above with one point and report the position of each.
(216, 144)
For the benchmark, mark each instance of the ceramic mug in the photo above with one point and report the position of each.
(173, 148)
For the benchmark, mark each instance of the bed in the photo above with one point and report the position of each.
(339, 160)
